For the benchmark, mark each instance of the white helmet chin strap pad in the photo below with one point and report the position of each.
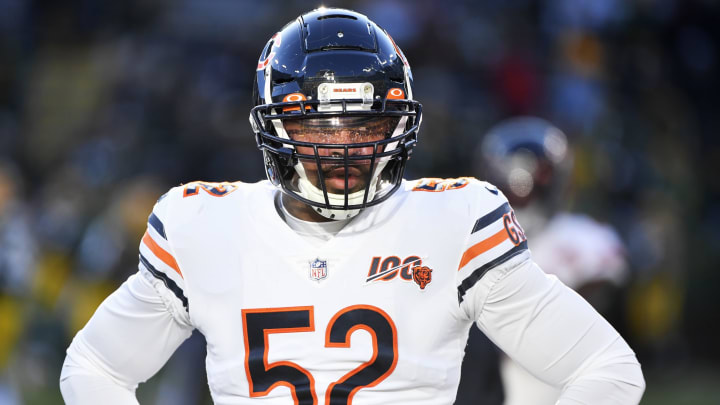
(308, 190)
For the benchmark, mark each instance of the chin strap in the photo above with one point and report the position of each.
(307, 190)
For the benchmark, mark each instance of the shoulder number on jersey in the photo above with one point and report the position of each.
(214, 189)
(513, 228)
(437, 185)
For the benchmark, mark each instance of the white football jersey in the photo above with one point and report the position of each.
(371, 312)
(378, 314)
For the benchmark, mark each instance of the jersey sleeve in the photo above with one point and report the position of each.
(494, 239)
(558, 337)
(157, 263)
(128, 339)
(135, 330)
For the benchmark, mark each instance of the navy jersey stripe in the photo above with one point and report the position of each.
(157, 224)
(488, 219)
(478, 273)
(169, 283)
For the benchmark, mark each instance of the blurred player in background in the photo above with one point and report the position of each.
(337, 281)
(529, 159)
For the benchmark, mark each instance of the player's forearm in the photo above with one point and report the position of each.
(84, 380)
(127, 340)
(560, 338)
(614, 378)
(80, 387)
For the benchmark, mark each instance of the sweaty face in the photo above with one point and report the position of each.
(331, 135)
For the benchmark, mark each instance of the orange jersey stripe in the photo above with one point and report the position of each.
(482, 247)
(161, 253)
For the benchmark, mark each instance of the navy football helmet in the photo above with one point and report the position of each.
(334, 113)
(527, 158)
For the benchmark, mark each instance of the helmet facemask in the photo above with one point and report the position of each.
(340, 160)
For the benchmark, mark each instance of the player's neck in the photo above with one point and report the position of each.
(301, 210)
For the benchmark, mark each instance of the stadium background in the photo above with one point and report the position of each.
(105, 105)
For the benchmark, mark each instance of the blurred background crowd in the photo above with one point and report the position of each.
(105, 105)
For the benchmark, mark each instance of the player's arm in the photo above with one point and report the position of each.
(133, 332)
(556, 335)
(538, 321)
(128, 339)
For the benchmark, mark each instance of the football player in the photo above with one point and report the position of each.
(336, 281)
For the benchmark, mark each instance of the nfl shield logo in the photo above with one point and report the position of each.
(318, 269)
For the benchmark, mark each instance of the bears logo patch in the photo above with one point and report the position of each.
(422, 275)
